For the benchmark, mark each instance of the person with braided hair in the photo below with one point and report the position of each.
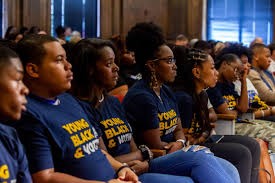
(196, 73)
(152, 111)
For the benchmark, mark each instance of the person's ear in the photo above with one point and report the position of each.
(196, 72)
(255, 57)
(32, 70)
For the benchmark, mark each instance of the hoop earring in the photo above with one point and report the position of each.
(153, 81)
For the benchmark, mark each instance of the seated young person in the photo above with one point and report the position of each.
(261, 78)
(261, 109)
(196, 72)
(13, 161)
(150, 106)
(226, 100)
(98, 56)
(60, 140)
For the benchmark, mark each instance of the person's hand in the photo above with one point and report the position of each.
(272, 110)
(173, 146)
(213, 125)
(126, 174)
(118, 181)
(242, 72)
(139, 167)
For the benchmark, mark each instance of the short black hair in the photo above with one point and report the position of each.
(31, 49)
(271, 47)
(59, 30)
(236, 48)
(255, 47)
(202, 45)
(144, 39)
(5, 55)
(228, 58)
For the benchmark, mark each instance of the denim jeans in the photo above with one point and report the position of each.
(163, 178)
(200, 166)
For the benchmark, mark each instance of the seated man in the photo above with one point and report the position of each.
(259, 76)
(13, 162)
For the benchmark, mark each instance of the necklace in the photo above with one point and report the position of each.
(101, 99)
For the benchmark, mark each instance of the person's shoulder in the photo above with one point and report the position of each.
(167, 89)
(8, 133)
(112, 100)
(67, 97)
(137, 91)
(182, 95)
(253, 72)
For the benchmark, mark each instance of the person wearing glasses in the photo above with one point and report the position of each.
(196, 72)
(223, 96)
(152, 110)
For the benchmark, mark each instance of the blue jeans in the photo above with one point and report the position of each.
(201, 167)
(163, 178)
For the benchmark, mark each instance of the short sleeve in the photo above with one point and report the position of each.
(185, 108)
(36, 142)
(23, 167)
(142, 112)
(215, 97)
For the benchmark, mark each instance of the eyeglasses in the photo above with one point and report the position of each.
(235, 69)
(169, 60)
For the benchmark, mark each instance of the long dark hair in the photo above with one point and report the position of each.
(85, 54)
(185, 81)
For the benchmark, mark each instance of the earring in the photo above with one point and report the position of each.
(154, 81)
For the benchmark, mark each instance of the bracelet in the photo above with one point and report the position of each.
(145, 152)
(262, 113)
(205, 134)
(124, 165)
(182, 141)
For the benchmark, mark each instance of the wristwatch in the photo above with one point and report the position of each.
(182, 141)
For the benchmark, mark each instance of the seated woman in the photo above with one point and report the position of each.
(196, 72)
(13, 161)
(226, 100)
(150, 106)
(98, 56)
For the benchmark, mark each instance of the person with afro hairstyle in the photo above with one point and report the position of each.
(152, 111)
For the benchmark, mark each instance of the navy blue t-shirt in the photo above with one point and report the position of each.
(189, 113)
(61, 137)
(13, 161)
(185, 105)
(145, 111)
(223, 92)
(115, 129)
